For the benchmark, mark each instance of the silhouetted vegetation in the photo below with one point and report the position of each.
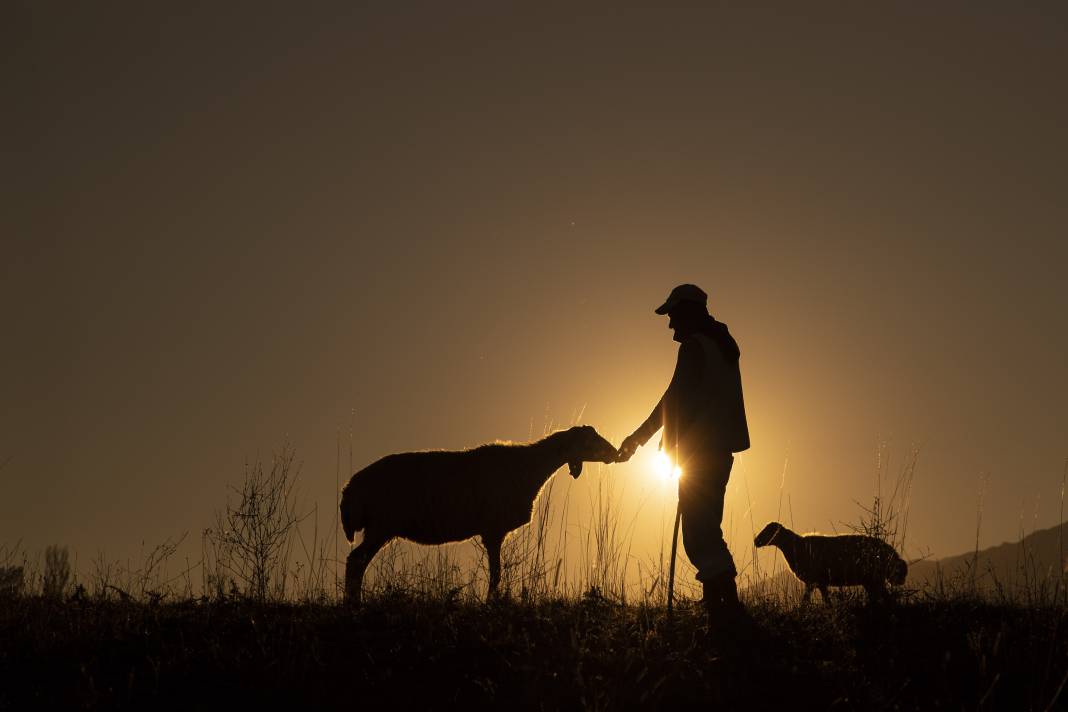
(437, 652)
(249, 549)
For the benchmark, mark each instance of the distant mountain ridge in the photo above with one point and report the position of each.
(1037, 559)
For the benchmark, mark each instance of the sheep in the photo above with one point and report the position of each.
(438, 497)
(844, 560)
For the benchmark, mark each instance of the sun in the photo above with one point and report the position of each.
(664, 468)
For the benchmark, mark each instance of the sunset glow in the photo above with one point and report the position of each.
(664, 468)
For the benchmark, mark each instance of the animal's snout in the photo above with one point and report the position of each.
(587, 445)
(600, 450)
(607, 453)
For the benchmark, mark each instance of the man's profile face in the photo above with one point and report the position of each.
(673, 320)
(683, 319)
(676, 322)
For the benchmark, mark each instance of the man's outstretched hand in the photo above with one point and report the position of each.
(630, 444)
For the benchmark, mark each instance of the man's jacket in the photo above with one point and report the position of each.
(702, 411)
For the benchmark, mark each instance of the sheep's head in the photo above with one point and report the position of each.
(585, 444)
(767, 534)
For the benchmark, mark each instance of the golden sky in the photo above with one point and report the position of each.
(227, 227)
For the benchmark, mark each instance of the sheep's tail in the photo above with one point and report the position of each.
(353, 516)
(899, 571)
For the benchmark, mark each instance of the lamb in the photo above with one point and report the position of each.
(844, 560)
(444, 496)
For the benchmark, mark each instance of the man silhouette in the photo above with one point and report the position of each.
(703, 417)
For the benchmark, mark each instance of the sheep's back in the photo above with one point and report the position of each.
(844, 560)
(429, 497)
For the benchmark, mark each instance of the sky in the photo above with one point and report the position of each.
(365, 228)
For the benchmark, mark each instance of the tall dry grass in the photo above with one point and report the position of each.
(264, 546)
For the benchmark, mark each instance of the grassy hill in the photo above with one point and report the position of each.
(410, 652)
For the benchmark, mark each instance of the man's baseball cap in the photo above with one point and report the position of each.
(683, 293)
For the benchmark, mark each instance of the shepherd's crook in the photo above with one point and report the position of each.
(674, 549)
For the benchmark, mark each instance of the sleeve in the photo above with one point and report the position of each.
(684, 380)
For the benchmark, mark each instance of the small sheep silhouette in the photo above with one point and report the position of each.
(843, 560)
(443, 496)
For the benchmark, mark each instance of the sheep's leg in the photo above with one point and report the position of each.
(826, 595)
(808, 593)
(877, 593)
(357, 563)
(493, 542)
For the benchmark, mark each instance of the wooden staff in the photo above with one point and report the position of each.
(674, 550)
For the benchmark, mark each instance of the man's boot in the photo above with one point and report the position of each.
(728, 621)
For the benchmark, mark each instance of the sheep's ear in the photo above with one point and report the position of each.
(575, 468)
